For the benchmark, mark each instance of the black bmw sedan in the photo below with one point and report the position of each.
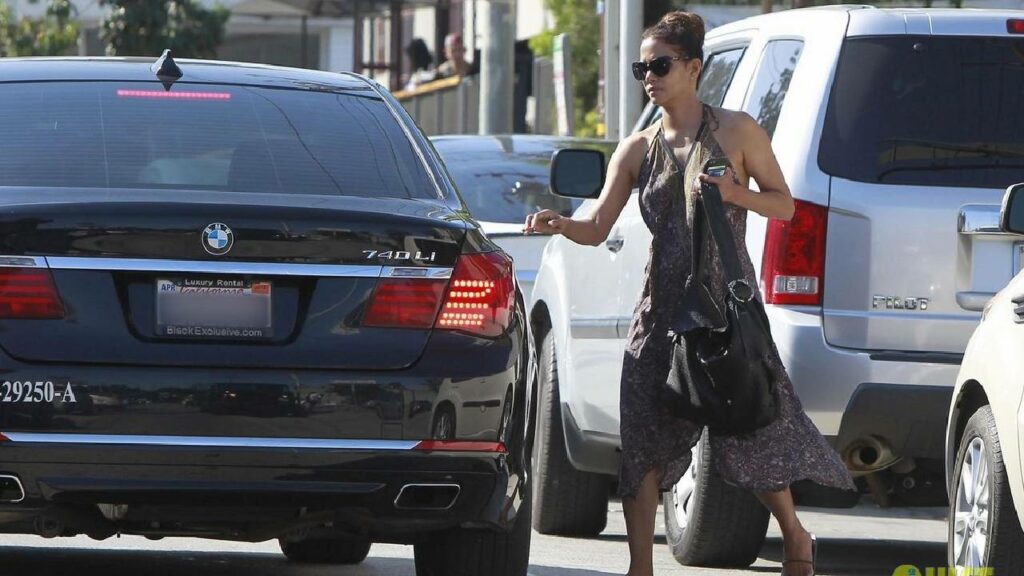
(246, 302)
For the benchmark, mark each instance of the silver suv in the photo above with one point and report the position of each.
(898, 131)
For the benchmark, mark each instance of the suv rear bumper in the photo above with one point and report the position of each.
(253, 493)
(850, 394)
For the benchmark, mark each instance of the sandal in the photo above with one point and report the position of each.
(813, 561)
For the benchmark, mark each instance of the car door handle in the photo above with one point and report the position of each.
(615, 243)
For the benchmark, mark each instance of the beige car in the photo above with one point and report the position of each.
(985, 435)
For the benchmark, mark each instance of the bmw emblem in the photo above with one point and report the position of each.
(218, 239)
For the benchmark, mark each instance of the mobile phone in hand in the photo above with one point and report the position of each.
(715, 167)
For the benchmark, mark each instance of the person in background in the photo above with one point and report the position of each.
(456, 64)
(420, 59)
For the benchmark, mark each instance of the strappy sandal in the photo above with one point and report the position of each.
(813, 561)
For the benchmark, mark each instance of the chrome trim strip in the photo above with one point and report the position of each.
(430, 272)
(21, 488)
(201, 266)
(22, 262)
(979, 219)
(210, 441)
(458, 492)
(594, 328)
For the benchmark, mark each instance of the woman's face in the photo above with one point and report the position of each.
(681, 80)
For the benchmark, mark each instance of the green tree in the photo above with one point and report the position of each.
(146, 28)
(578, 19)
(52, 35)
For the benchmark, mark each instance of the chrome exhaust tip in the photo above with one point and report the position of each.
(427, 496)
(869, 454)
(11, 490)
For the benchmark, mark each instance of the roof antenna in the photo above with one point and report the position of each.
(166, 70)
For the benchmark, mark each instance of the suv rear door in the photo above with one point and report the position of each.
(921, 137)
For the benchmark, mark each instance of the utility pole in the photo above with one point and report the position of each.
(612, 70)
(497, 72)
(630, 101)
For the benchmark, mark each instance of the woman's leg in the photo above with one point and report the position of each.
(640, 512)
(796, 542)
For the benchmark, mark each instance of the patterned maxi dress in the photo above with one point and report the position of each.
(769, 459)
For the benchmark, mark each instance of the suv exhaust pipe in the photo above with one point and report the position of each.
(427, 496)
(869, 454)
(11, 490)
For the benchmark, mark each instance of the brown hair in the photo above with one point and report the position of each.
(684, 30)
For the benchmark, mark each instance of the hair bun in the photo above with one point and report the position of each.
(684, 30)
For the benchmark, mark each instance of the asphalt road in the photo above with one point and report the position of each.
(858, 542)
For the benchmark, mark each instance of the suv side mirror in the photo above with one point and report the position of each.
(1011, 216)
(577, 173)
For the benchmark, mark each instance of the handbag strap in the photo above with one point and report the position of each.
(711, 205)
(697, 231)
(714, 208)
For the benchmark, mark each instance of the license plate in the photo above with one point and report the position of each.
(213, 308)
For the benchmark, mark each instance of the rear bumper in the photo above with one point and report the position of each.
(850, 394)
(251, 493)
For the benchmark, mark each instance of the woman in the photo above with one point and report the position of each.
(656, 444)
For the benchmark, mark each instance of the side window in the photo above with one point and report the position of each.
(771, 82)
(716, 76)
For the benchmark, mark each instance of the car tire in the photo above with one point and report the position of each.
(1000, 551)
(569, 502)
(443, 427)
(326, 551)
(711, 523)
(475, 552)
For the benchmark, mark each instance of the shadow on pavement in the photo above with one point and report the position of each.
(850, 557)
(33, 561)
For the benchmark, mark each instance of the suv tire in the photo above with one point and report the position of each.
(474, 552)
(711, 523)
(326, 551)
(569, 502)
(980, 451)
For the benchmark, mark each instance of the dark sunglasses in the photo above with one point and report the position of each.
(659, 66)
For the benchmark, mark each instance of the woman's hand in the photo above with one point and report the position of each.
(728, 185)
(545, 222)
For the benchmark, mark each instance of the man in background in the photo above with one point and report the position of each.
(455, 51)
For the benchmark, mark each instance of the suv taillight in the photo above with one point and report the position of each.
(478, 299)
(28, 293)
(793, 268)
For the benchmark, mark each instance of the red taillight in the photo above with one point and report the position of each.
(478, 299)
(459, 446)
(1015, 26)
(793, 269)
(480, 295)
(157, 94)
(28, 293)
(404, 303)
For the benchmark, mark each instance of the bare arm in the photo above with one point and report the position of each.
(593, 229)
(774, 199)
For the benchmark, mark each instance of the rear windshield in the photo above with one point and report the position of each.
(220, 138)
(501, 187)
(927, 110)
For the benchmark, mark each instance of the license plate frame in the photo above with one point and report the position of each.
(213, 308)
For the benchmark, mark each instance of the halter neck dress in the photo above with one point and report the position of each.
(653, 438)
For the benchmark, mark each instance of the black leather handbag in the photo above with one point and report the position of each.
(719, 375)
